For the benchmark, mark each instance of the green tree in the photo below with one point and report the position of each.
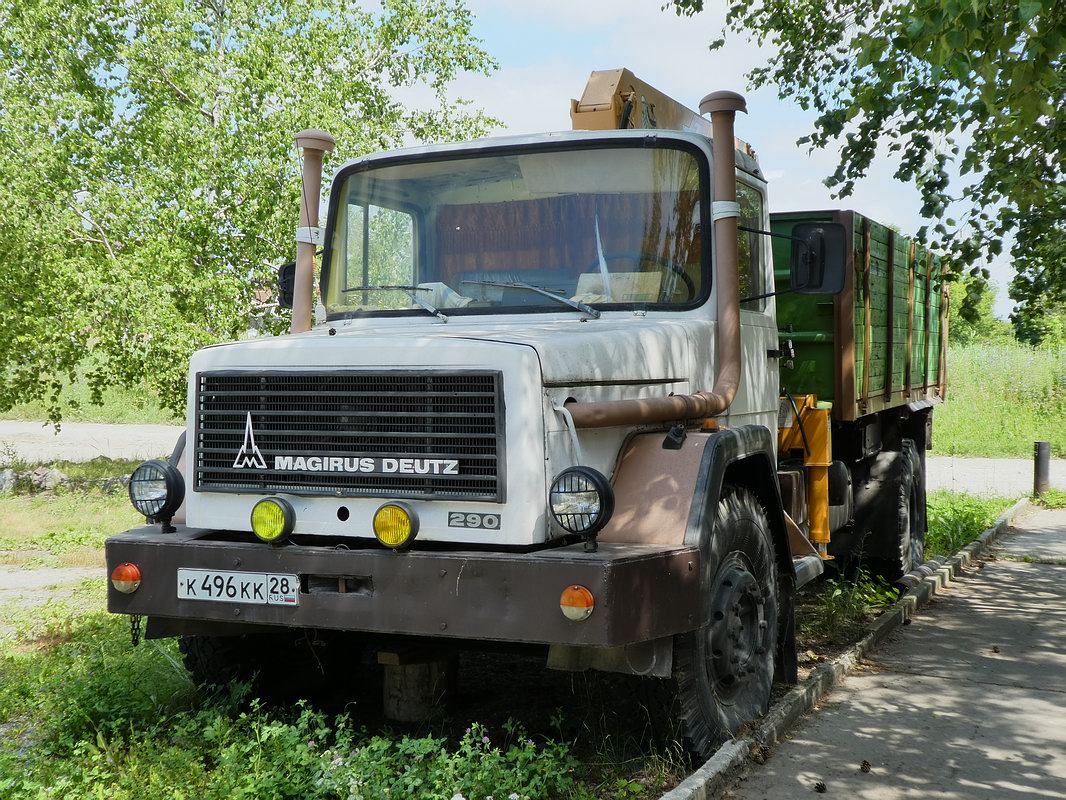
(151, 182)
(981, 325)
(978, 85)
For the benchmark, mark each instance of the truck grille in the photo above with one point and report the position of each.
(312, 432)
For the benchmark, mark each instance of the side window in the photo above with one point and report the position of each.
(381, 246)
(749, 248)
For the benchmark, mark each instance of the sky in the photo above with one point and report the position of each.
(546, 50)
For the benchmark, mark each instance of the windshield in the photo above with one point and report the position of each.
(575, 230)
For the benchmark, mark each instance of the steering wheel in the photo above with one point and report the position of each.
(639, 258)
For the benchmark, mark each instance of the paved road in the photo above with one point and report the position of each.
(966, 703)
(83, 441)
(1005, 477)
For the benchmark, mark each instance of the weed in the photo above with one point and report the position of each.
(841, 604)
(957, 518)
(1052, 498)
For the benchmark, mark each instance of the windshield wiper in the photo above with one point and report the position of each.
(407, 290)
(566, 301)
(383, 287)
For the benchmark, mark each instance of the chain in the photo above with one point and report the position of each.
(135, 629)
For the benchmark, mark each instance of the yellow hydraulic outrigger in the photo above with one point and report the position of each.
(806, 426)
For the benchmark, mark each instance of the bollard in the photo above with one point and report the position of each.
(1041, 467)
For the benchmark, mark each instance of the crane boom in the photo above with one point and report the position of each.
(617, 99)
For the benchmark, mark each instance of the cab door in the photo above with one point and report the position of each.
(757, 397)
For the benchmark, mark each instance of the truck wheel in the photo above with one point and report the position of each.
(723, 671)
(288, 665)
(899, 545)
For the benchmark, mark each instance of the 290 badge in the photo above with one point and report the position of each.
(459, 519)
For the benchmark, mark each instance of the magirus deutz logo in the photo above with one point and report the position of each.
(250, 457)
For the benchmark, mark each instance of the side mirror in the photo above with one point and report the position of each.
(286, 284)
(819, 257)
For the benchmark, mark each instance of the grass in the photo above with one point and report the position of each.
(61, 530)
(1052, 498)
(83, 714)
(117, 405)
(1001, 399)
(957, 518)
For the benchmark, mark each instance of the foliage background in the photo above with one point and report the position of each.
(967, 96)
(150, 176)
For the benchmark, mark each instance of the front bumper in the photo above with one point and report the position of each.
(642, 592)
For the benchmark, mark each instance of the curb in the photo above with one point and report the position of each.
(706, 781)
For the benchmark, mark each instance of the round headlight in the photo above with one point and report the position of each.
(273, 520)
(157, 489)
(581, 500)
(396, 525)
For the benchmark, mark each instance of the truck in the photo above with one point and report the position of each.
(577, 393)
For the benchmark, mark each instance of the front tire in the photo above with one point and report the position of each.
(287, 665)
(723, 671)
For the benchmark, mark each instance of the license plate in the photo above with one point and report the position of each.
(255, 588)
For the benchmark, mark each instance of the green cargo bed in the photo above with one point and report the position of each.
(880, 343)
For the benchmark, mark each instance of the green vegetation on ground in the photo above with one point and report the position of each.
(840, 606)
(956, 519)
(1052, 498)
(1002, 397)
(85, 715)
(61, 529)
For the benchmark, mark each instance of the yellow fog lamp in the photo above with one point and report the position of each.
(273, 520)
(396, 525)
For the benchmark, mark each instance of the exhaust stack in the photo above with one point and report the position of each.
(723, 107)
(315, 144)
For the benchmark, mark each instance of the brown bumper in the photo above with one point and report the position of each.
(641, 592)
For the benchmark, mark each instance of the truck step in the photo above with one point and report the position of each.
(807, 569)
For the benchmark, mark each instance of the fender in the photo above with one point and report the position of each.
(669, 497)
(742, 456)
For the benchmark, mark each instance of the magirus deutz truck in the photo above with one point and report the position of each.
(579, 392)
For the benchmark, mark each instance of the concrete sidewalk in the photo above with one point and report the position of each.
(967, 703)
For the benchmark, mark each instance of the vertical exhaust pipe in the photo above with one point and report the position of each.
(314, 144)
(723, 108)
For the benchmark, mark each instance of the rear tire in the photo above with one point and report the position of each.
(897, 543)
(723, 671)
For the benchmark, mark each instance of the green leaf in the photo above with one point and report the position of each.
(1028, 9)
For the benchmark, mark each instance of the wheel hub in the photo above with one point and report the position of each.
(738, 634)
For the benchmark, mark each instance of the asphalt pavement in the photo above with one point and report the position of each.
(968, 702)
(1000, 477)
(36, 442)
